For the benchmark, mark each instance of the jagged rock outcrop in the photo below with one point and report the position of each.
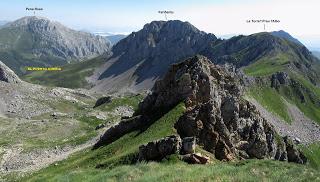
(7, 75)
(279, 78)
(157, 150)
(223, 123)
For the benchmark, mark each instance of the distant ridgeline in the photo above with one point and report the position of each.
(143, 57)
(38, 42)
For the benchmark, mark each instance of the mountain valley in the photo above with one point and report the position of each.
(168, 99)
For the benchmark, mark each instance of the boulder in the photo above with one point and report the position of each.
(159, 149)
(294, 155)
(195, 158)
(188, 145)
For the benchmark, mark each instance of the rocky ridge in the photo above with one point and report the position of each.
(144, 56)
(7, 75)
(222, 122)
(64, 42)
(39, 42)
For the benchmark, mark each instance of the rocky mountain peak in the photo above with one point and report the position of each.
(171, 26)
(195, 80)
(153, 49)
(28, 20)
(49, 42)
(37, 24)
(7, 75)
(222, 122)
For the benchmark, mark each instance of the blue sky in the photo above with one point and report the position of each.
(116, 15)
(215, 16)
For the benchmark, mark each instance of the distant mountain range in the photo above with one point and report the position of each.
(143, 57)
(277, 64)
(112, 37)
(3, 22)
(37, 41)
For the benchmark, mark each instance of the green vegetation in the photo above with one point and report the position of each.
(46, 131)
(268, 65)
(312, 152)
(132, 101)
(301, 92)
(115, 163)
(117, 153)
(71, 76)
(16, 50)
(251, 170)
(75, 126)
(271, 100)
(275, 100)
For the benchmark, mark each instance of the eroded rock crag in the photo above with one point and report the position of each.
(222, 122)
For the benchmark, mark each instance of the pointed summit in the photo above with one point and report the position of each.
(285, 35)
(148, 53)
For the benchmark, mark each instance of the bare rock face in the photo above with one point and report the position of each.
(219, 119)
(58, 40)
(222, 122)
(7, 75)
(279, 78)
(188, 145)
(157, 150)
(146, 55)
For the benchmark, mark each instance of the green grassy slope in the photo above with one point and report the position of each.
(251, 170)
(301, 67)
(71, 76)
(312, 151)
(117, 153)
(271, 100)
(302, 94)
(268, 65)
(16, 51)
(115, 161)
